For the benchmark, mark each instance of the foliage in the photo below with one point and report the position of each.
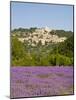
(60, 54)
(66, 48)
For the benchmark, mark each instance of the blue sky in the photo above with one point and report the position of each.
(28, 15)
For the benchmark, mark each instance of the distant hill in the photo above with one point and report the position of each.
(44, 35)
(42, 47)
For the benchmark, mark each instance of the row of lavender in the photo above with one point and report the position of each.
(41, 81)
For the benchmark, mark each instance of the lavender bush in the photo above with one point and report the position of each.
(41, 81)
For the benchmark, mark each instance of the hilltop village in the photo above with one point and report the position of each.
(40, 35)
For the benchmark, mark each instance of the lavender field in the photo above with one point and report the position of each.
(41, 81)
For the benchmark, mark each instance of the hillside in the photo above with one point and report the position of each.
(41, 47)
(34, 36)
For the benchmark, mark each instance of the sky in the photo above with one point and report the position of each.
(26, 15)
